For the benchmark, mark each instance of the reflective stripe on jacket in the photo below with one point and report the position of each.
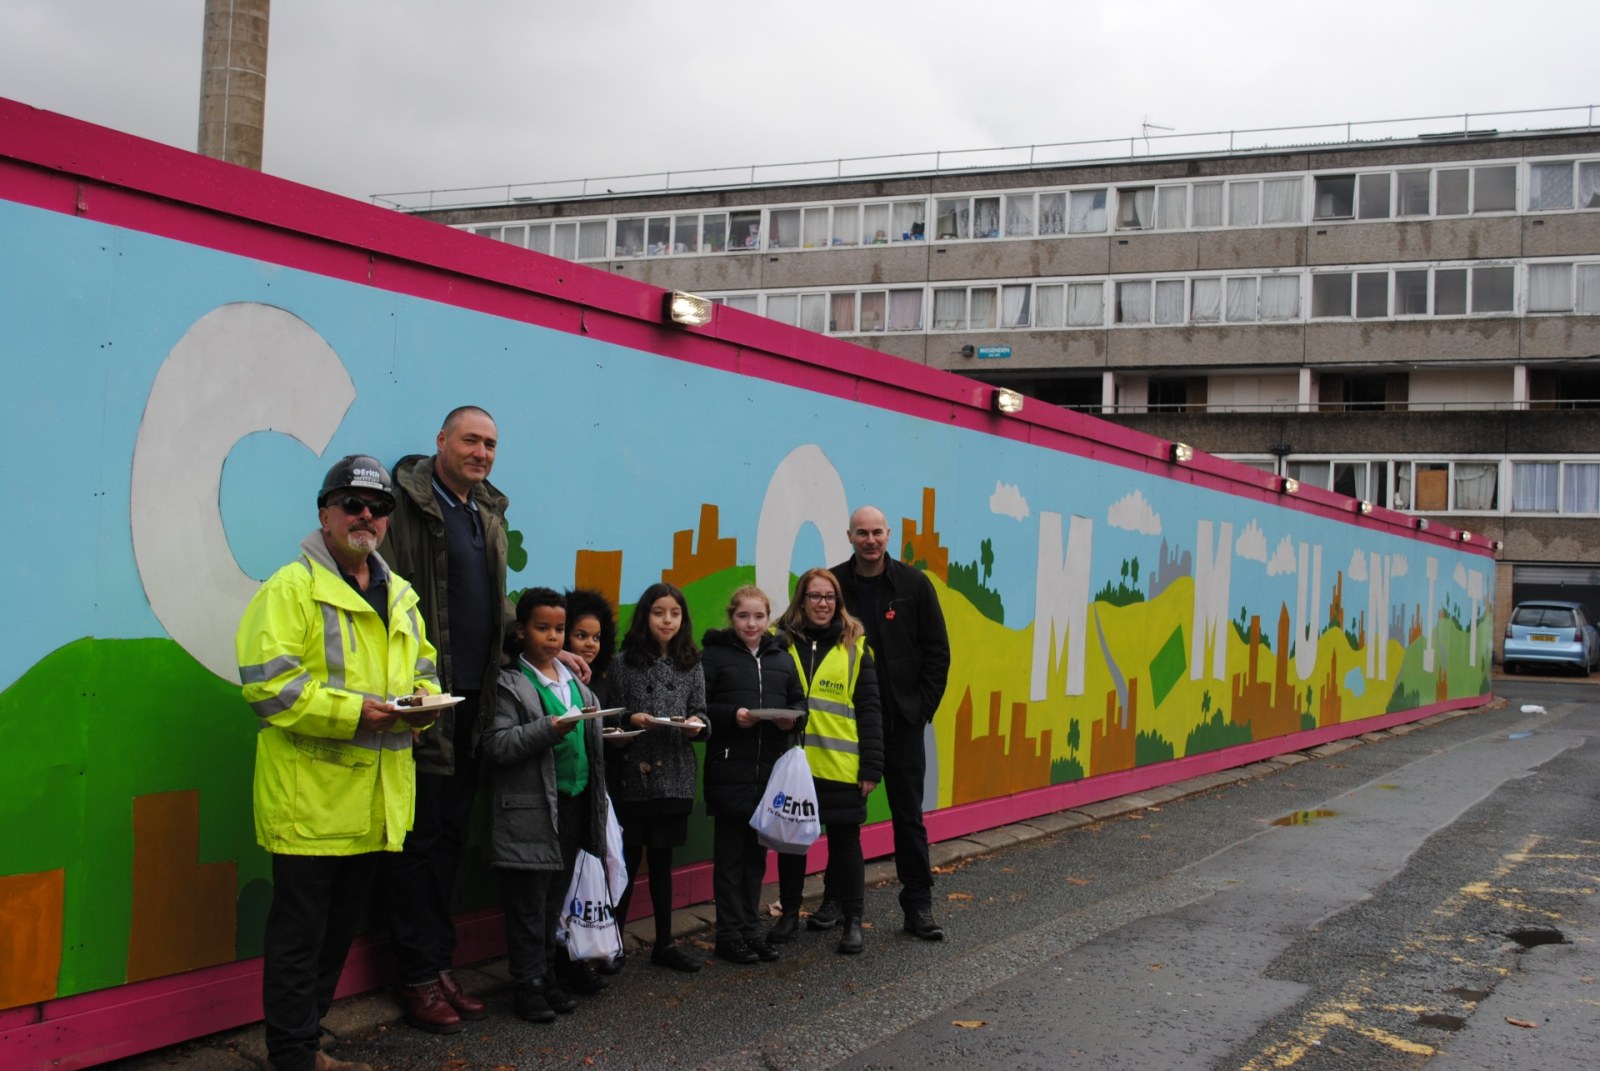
(832, 737)
(310, 651)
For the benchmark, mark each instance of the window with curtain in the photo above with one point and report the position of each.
(1493, 289)
(1589, 184)
(1450, 292)
(1280, 297)
(1451, 195)
(951, 219)
(592, 240)
(783, 229)
(1310, 473)
(1172, 207)
(1241, 299)
(744, 231)
(1136, 208)
(842, 312)
(1088, 212)
(1052, 213)
(1535, 486)
(814, 312)
(1494, 189)
(1372, 196)
(1580, 488)
(1588, 301)
(1416, 193)
(1208, 204)
(1015, 306)
(1049, 305)
(986, 217)
(743, 302)
(910, 217)
(874, 310)
(846, 224)
(1335, 197)
(1476, 484)
(1402, 485)
(984, 308)
(1550, 186)
(815, 228)
(539, 238)
(564, 241)
(949, 310)
(1205, 301)
(1019, 215)
(1372, 294)
(785, 308)
(1411, 293)
(1350, 478)
(1280, 200)
(874, 224)
(1550, 288)
(630, 237)
(1086, 305)
(905, 310)
(1133, 302)
(1169, 301)
(1330, 293)
(1244, 204)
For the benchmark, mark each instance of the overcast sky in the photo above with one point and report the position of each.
(379, 96)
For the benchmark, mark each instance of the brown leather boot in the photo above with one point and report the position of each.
(466, 1005)
(427, 1009)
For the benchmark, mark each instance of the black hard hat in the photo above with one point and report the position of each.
(356, 470)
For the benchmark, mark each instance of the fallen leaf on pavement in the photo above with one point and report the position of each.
(959, 896)
(1158, 966)
(1522, 1023)
(1079, 881)
(969, 1024)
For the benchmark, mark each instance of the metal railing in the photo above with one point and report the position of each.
(1020, 157)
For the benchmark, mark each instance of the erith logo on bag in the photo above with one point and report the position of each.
(791, 806)
(591, 911)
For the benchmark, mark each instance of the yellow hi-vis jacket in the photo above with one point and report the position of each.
(310, 649)
(832, 736)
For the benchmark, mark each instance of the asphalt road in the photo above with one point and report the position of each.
(1381, 906)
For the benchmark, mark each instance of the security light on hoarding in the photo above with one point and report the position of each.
(1007, 401)
(1182, 452)
(690, 310)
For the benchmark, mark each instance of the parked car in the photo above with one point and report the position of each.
(1548, 632)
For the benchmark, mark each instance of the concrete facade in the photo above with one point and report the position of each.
(1503, 375)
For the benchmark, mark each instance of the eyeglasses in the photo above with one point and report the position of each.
(354, 504)
(821, 596)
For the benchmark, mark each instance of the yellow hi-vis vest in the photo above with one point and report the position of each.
(832, 739)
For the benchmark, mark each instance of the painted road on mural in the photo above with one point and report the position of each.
(1351, 911)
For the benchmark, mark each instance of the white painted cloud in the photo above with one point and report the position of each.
(1399, 565)
(1133, 513)
(1282, 558)
(1007, 501)
(1358, 566)
(1252, 543)
(1460, 575)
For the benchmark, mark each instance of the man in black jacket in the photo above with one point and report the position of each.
(906, 630)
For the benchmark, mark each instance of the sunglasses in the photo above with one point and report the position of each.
(354, 504)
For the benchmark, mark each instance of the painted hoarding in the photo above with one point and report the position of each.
(186, 347)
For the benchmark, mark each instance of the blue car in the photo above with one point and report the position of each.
(1551, 633)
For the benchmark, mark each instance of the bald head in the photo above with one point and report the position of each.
(869, 535)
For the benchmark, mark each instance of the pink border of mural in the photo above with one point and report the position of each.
(64, 165)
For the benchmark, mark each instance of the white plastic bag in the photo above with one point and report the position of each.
(616, 868)
(588, 922)
(786, 820)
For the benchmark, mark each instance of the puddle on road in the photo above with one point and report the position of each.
(1305, 818)
(1440, 1020)
(1520, 734)
(1533, 936)
(1471, 996)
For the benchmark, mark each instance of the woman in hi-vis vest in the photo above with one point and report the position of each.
(844, 746)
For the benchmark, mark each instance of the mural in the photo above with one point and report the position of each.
(1102, 618)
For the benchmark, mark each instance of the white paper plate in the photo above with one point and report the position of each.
(620, 734)
(666, 723)
(770, 713)
(429, 702)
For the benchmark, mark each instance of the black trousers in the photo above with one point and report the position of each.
(317, 901)
(845, 879)
(739, 862)
(905, 763)
(418, 885)
(534, 898)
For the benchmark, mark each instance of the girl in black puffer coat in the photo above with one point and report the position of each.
(746, 669)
